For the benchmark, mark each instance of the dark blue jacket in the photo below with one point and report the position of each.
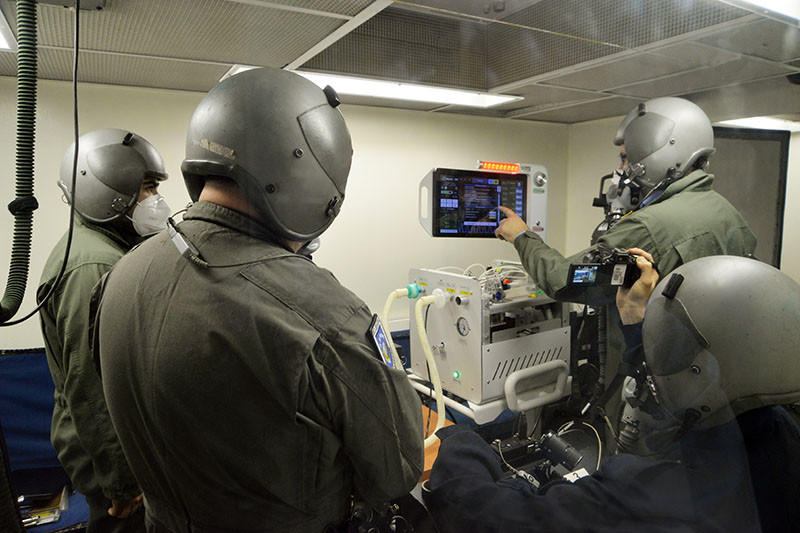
(743, 476)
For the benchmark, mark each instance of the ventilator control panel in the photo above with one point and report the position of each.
(465, 203)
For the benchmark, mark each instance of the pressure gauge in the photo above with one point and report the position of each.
(463, 326)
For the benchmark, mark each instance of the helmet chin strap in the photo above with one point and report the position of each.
(672, 176)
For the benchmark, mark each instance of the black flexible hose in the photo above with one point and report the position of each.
(26, 122)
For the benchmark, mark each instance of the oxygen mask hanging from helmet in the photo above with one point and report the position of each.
(621, 197)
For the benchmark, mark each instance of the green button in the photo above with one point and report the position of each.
(456, 375)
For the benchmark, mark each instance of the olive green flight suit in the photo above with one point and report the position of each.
(253, 400)
(81, 430)
(690, 220)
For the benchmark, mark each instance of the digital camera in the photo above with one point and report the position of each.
(605, 266)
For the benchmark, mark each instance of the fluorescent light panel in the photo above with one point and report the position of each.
(234, 70)
(396, 90)
(407, 91)
(783, 10)
(763, 123)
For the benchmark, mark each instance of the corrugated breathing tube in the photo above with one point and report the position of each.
(25, 203)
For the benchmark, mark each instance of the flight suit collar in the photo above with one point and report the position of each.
(698, 180)
(104, 229)
(223, 216)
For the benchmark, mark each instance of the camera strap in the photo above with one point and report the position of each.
(661, 187)
(624, 370)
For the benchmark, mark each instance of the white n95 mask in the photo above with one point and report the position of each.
(150, 215)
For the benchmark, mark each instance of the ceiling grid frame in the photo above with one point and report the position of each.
(181, 44)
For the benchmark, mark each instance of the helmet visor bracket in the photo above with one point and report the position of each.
(324, 131)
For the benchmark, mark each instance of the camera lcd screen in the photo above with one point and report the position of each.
(583, 274)
(381, 341)
(465, 202)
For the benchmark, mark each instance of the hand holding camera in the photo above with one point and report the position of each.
(631, 301)
(605, 266)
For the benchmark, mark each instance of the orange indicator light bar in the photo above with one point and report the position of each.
(502, 167)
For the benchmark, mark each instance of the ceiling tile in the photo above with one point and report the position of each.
(621, 72)
(542, 95)
(630, 69)
(410, 46)
(769, 39)
(694, 54)
(212, 30)
(183, 44)
(516, 53)
(132, 71)
(476, 8)
(474, 111)
(737, 71)
(588, 111)
(770, 97)
(342, 7)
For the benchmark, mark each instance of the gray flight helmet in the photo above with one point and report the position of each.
(282, 140)
(665, 136)
(721, 336)
(112, 164)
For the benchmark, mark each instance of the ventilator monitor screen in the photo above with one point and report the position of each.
(465, 201)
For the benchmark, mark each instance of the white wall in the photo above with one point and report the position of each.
(159, 116)
(376, 238)
(591, 155)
